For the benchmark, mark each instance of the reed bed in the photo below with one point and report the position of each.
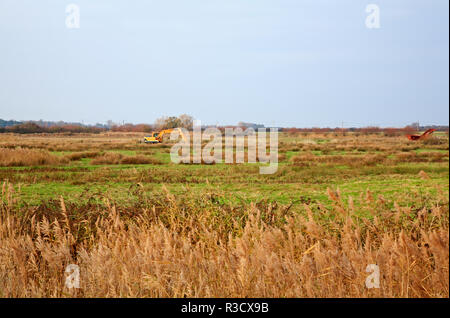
(194, 246)
(28, 157)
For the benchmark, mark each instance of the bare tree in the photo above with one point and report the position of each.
(186, 121)
(160, 123)
(172, 122)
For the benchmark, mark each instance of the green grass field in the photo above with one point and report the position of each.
(293, 184)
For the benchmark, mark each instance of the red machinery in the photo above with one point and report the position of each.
(423, 136)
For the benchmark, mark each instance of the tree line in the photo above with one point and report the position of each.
(12, 126)
(186, 121)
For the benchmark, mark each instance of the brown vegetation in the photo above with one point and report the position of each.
(80, 155)
(193, 247)
(28, 157)
(112, 158)
(140, 159)
(208, 240)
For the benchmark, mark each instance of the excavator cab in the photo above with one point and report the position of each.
(152, 139)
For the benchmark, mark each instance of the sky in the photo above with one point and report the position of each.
(303, 63)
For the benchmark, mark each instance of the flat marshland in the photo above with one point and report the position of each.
(138, 225)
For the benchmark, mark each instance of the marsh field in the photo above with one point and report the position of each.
(138, 225)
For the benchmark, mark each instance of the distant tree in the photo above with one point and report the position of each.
(173, 122)
(26, 128)
(133, 128)
(186, 121)
(409, 130)
(370, 130)
(392, 132)
(160, 123)
(164, 122)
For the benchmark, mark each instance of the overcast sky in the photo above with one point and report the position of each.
(276, 62)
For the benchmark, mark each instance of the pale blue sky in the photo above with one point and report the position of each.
(276, 62)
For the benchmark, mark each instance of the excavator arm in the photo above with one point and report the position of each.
(423, 136)
(158, 137)
(161, 134)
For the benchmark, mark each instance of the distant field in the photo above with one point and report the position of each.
(141, 226)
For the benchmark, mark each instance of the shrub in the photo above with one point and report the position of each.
(28, 157)
(79, 155)
(109, 158)
(140, 159)
(434, 141)
(112, 158)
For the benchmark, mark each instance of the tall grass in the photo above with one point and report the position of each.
(117, 158)
(28, 157)
(194, 246)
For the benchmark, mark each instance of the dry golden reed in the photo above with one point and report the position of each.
(189, 246)
(28, 157)
(117, 158)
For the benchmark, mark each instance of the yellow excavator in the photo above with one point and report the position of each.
(158, 137)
